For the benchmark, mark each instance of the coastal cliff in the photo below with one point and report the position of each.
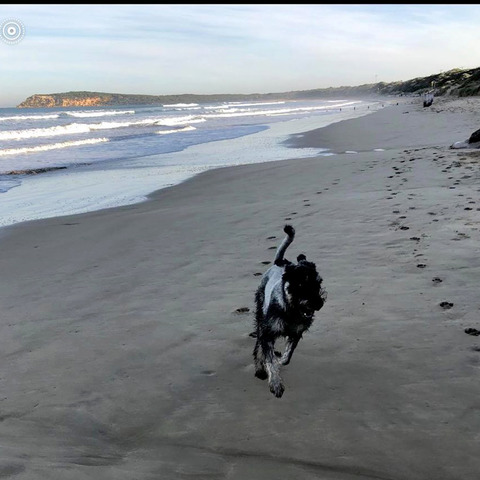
(85, 99)
(100, 99)
(456, 82)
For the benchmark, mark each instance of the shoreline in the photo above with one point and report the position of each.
(125, 338)
(92, 186)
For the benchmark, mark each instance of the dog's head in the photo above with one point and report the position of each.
(304, 286)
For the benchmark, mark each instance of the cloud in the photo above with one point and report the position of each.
(168, 49)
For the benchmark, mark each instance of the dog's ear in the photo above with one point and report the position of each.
(301, 257)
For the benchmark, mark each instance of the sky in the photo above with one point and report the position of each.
(227, 48)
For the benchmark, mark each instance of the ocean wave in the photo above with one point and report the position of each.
(97, 113)
(229, 105)
(79, 114)
(256, 104)
(44, 132)
(170, 122)
(181, 105)
(30, 117)
(53, 146)
(176, 130)
(278, 111)
(76, 128)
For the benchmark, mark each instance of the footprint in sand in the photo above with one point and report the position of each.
(242, 310)
(437, 280)
(446, 305)
(257, 274)
(271, 238)
(461, 235)
(266, 262)
(472, 331)
(421, 265)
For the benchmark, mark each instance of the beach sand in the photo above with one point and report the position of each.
(124, 333)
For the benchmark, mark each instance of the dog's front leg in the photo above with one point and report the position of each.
(272, 367)
(292, 343)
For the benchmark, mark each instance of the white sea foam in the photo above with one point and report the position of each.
(98, 113)
(45, 132)
(228, 105)
(170, 122)
(30, 117)
(177, 130)
(280, 111)
(187, 108)
(181, 105)
(76, 128)
(79, 114)
(259, 104)
(51, 146)
(79, 128)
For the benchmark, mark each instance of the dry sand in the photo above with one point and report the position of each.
(124, 337)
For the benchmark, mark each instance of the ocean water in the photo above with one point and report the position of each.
(61, 161)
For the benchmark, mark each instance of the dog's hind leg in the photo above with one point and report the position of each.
(259, 361)
(292, 343)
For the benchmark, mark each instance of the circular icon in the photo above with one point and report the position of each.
(12, 31)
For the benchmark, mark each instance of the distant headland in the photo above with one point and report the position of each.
(456, 82)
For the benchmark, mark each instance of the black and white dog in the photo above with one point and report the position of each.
(286, 300)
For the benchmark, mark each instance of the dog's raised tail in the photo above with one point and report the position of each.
(290, 231)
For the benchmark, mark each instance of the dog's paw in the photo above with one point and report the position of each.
(277, 389)
(284, 361)
(261, 374)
